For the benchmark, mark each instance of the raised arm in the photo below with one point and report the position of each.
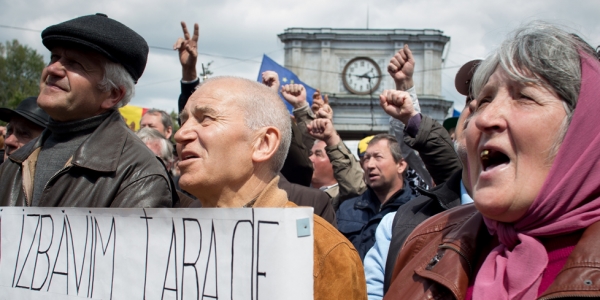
(188, 52)
(346, 169)
(401, 68)
(423, 134)
(271, 79)
(321, 107)
(295, 94)
(188, 57)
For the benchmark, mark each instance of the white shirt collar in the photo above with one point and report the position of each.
(464, 196)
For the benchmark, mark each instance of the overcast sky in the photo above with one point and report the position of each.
(246, 30)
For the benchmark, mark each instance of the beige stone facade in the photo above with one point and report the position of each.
(319, 56)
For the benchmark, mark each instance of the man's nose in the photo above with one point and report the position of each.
(11, 142)
(185, 134)
(56, 68)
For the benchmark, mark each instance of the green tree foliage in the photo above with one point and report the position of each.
(20, 72)
(174, 119)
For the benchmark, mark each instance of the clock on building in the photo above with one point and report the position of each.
(361, 76)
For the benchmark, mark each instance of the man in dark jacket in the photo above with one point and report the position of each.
(25, 123)
(387, 190)
(445, 196)
(87, 157)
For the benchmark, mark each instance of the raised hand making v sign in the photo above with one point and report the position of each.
(188, 52)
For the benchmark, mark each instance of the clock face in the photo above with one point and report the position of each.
(361, 76)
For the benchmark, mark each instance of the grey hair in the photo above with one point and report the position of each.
(165, 118)
(148, 134)
(116, 76)
(317, 141)
(543, 54)
(392, 144)
(539, 53)
(262, 107)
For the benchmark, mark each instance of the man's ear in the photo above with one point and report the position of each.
(266, 143)
(402, 166)
(114, 97)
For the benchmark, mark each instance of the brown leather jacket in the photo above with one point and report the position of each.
(112, 168)
(438, 258)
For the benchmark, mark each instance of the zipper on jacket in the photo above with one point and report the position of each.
(464, 256)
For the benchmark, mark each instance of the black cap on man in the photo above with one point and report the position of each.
(25, 123)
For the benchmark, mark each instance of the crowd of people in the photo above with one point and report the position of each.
(504, 206)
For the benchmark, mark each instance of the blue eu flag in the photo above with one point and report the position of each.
(285, 77)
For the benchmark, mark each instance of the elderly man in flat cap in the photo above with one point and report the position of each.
(25, 123)
(87, 157)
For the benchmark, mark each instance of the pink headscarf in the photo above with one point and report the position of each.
(568, 201)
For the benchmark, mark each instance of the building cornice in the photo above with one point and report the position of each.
(363, 35)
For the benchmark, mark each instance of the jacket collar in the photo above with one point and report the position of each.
(369, 198)
(272, 195)
(24, 152)
(100, 152)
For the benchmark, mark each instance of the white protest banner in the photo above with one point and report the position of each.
(75, 253)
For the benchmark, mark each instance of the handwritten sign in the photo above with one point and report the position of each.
(74, 253)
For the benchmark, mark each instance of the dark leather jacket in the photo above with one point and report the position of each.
(439, 257)
(112, 168)
(435, 149)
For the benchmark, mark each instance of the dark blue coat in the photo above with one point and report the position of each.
(359, 217)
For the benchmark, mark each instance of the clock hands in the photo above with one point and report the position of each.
(357, 82)
(366, 76)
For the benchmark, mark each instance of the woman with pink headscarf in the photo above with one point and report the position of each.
(533, 143)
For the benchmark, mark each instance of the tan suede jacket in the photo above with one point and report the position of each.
(338, 272)
(438, 258)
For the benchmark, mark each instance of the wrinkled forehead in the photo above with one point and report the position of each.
(497, 78)
(221, 90)
(381, 145)
(217, 96)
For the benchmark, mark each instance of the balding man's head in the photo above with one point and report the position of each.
(232, 128)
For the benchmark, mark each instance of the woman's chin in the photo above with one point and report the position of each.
(497, 209)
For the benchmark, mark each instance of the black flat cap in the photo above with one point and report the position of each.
(98, 32)
(27, 109)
